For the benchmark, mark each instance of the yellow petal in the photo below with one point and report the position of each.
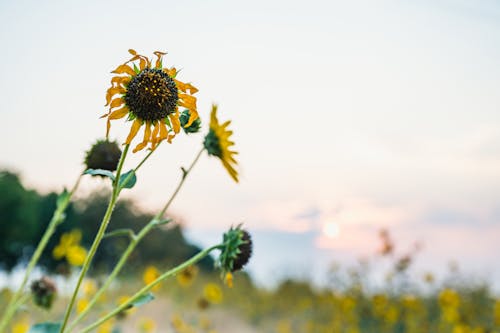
(120, 80)
(163, 131)
(124, 69)
(192, 117)
(145, 140)
(154, 136)
(120, 113)
(132, 52)
(159, 55)
(112, 91)
(133, 130)
(174, 119)
(116, 102)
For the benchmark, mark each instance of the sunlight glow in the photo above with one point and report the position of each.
(331, 229)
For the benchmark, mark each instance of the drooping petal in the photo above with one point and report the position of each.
(146, 139)
(136, 125)
(116, 102)
(174, 119)
(120, 80)
(120, 113)
(154, 135)
(192, 117)
(112, 91)
(124, 69)
(163, 131)
(159, 54)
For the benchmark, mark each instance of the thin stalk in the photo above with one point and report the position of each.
(98, 238)
(133, 243)
(185, 172)
(148, 287)
(56, 219)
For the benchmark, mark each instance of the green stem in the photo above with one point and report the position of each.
(148, 287)
(98, 238)
(133, 243)
(185, 173)
(56, 219)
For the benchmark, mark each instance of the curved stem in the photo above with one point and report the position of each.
(98, 237)
(133, 243)
(57, 218)
(185, 172)
(148, 287)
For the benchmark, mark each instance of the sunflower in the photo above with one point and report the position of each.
(150, 96)
(217, 143)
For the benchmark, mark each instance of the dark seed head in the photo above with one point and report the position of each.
(245, 252)
(151, 95)
(43, 292)
(103, 155)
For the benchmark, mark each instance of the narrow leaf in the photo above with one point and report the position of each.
(45, 328)
(100, 172)
(143, 299)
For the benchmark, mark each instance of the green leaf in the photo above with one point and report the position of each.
(62, 198)
(45, 328)
(143, 299)
(100, 172)
(127, 183)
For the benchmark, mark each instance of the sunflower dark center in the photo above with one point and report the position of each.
(151, 95)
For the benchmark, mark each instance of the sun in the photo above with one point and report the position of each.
(331, 229)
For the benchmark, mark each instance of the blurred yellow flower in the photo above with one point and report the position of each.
(122, 300)
(150, 274)
(20, 327)
(213, 293)
(186, 277)
(89, 287)
(69, 247)
(149, 95)
(147, 325)
(217, 143)
(81, 305)
(106, 327)
(496, 313)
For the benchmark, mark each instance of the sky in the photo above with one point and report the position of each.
(349, 116)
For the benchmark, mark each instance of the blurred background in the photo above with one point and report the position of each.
(359, 124)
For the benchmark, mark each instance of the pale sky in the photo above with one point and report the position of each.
(351, 114)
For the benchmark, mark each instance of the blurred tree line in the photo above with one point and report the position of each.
(25, 214)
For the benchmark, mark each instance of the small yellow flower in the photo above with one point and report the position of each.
(228, 279)
(69, 247)
(89, 287)
(151, 273)
(149, 95)
(122, 300)
(212, 293)
(81, 305)
(147, 325)
(217, 143)
(186, 277)
(20, 327)
(106, 327)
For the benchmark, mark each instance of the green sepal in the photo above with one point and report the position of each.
(167, 121)
(136, 70)
(127, 183)
(100, 172)
(45, 328)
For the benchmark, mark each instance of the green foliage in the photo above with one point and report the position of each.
(24, 215)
